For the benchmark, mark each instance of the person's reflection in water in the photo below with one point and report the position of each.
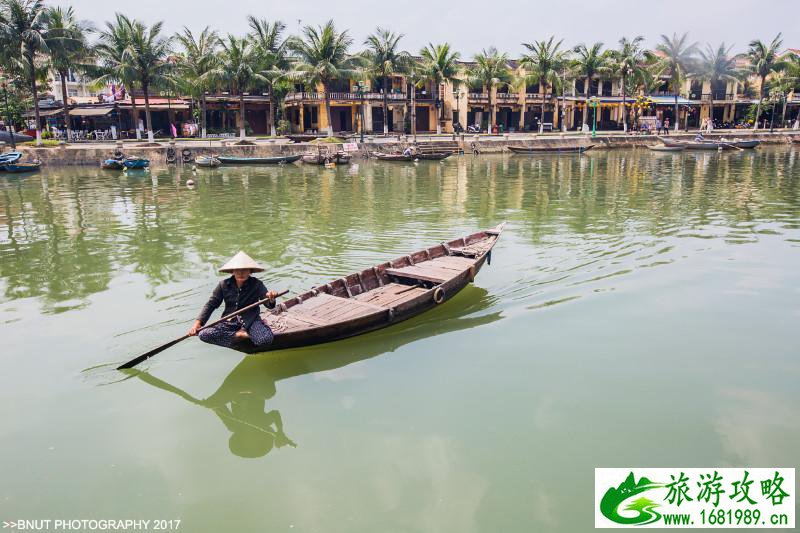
(241, 400)
(240, 403)
(253, 432)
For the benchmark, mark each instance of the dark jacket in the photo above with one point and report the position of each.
(235, 298)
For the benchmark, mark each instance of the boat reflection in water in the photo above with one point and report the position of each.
(241, 400)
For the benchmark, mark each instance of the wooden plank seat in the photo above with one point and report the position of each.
(390, 295)
(436, 270)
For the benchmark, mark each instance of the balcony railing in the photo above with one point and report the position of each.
(339, 96)
(478, 97)
(533, 96)
(507, 97)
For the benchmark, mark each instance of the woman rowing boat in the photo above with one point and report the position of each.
(237, 291)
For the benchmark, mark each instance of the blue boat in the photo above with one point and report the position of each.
(112, 164)
(9, 157)
(19, 168)
(136, 162)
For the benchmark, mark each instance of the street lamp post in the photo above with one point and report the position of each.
(438, 104)
(594, 102)
(458, 112)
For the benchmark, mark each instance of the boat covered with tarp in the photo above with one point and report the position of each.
(135, 162)
(8, 158)
(207, 161)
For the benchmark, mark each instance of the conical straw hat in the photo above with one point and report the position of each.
(241, 260)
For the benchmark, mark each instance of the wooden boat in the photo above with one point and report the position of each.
(711, 144)
(112, 164)
(305, 137)
(207, 161)
(232, 160)
(433, 156)
(394, 157)
(379, 296)
(9, 157)
(551, 148)
(19, 168)
(665, 148)
(746, 144)
(136, 162)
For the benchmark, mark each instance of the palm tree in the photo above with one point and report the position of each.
(780, 84)
(271, 51)
(416, 79)
(715, 65)
(237, 67)
(626, 62)
(24, 27)
(321, 58)
(491, 69)
(542, 64)
(69, 49)
(792, 67)
(147, 55)
(590, 61)
(385, 59)
(763, 61)
(197, 63)
(677, 60)
(114, 59)
(440, 65)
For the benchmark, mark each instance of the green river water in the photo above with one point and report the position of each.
(641, 309)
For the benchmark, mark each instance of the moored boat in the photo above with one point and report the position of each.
(394, 157)
(712, 144)
(379, 296)
(665, 148)
(112, 164)
(551, 148)
(8, 158)
(19, 168)
(746, 144)
(433, 156)
(207, 161)
(135, 162)
(233, 160)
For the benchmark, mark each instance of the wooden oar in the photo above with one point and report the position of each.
(133, 362)
(732, 146)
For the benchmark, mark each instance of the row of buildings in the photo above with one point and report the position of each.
(445, 106)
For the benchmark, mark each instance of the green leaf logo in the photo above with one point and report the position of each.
(645, 508)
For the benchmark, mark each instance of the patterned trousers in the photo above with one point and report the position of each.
(224, 333)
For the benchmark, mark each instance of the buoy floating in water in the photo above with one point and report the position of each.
(189, 183)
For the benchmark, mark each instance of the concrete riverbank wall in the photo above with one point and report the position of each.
(92, 154)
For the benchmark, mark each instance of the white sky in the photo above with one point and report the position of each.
(470, 25)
